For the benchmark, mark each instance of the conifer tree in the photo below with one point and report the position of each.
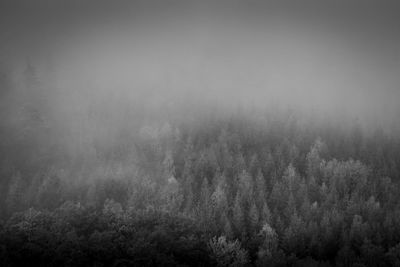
(314, 159)
(260, 189)
(205, 202)
(254, 218)
(226, 225)
(265, 215)
(238, 215)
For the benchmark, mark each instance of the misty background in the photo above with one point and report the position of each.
(199, 133)
(338, 58)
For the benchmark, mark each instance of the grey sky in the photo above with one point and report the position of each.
(334, 55)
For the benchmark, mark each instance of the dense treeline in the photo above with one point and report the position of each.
(248, 187)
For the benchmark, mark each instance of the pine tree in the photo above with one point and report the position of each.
(168, 165)
(265, 213)
(219, 200)
(278, 196)
(314, 159)
(254, 218)
(357, 231)
(269, 167)
(188, 179)
(270, 243)
(205, 202)
(260, 189)
(305, 208)
(226, 225)
(245, 185)
(239, 164)
(291, 207)
(238, 214)
(254, 165)
(294, 236)
(226, 253)
(112, 209)
(172, 195)
(268, 252)
(189, 201)
(291, 179)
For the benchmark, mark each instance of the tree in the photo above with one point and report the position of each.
(254, 218)
(238, 215)
(294, 236)
(189, 200)
(314, 158)
(227, 253)
(291, 179)
(291, 207)
(204, 204)
(245, 189)
(254, 166)
(358, 231)
(226, 225)
(265, 215)
(372, 254)
(112, 209)
(219, 199)
(393, 255)
(270, 241)
(269, 253)
(260, 189)
(172, 197)
(188, 178)
(269, 166)
(278, 196)
(168, 165)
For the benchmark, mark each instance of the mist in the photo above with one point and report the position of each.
(324, 57)
(199, 133)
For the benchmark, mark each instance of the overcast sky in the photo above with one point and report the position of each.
(334, 55)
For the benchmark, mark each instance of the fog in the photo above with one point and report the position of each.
(199, 133)
(338, 58)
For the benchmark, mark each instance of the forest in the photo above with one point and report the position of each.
(184, 185)
(199, 133)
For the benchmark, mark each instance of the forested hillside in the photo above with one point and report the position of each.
(199, 133)
(184, 187)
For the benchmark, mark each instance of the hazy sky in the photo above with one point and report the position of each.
(338, 55)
